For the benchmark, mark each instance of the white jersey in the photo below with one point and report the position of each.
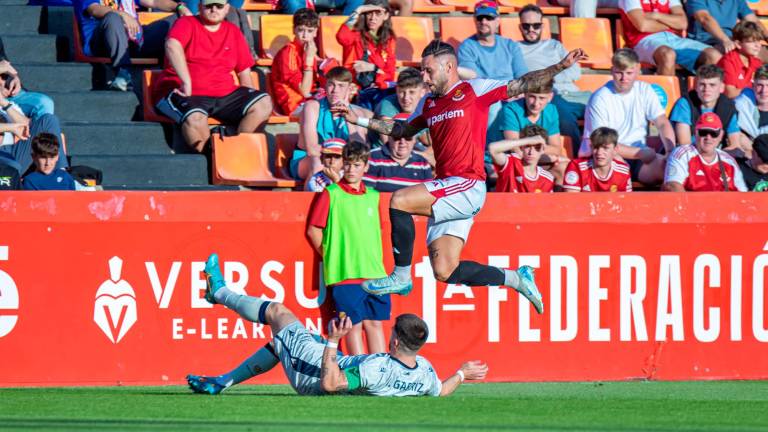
(383, 375)
(749, 115)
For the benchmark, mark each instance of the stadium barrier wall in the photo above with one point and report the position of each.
(106, 288)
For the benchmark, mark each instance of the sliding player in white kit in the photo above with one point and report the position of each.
(456, 113)
(315, 368)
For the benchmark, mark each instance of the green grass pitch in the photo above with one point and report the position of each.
(628, 406)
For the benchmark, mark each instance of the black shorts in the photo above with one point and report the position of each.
(229, 109)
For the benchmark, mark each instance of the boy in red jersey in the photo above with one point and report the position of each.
(602, 172)
(456, 113)
(702, 167)
(521, 172)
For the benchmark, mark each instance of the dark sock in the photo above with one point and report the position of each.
(475, 274)
(403, 236)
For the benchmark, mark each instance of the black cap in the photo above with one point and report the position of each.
(760, 146)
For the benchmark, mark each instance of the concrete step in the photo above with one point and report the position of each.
(85, 138)
(148, 170)
(61, 77)
(22, 48)
(95, 106)
(17, 19)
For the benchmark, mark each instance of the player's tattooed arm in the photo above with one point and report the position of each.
(535, 79)
(332, 378)
(396, 129)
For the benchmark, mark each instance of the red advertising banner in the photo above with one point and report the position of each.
(105, 288)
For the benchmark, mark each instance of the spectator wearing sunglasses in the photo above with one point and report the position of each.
(539, 53)
(702, 167)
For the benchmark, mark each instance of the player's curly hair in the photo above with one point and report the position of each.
(412, 332)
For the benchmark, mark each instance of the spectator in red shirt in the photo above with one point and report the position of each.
(520, 172)
(740, 64)
(369, 50)
(295, 69)
(603, 171)
(201, 53)
(702, 167)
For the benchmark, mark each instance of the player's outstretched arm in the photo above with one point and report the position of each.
(471, 370)
(396, 129)
(332, 378)
(534, 79)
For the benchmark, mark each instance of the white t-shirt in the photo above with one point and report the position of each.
(627, 113)
(7, 137)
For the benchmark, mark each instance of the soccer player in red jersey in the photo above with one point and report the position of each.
(456, 113)
(522, 173)
(602, 172)
(702, 167)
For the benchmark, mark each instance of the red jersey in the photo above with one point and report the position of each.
(581, 176)
(686, 166)
(736, 74)
(631, 33)
(211, 58)
(512, 177)
(457, 123)
(287, 71)
(353, 50)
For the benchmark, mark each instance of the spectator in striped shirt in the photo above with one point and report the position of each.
(330, 157)
(395, 166)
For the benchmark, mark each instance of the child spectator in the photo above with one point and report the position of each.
(752, 106)
(317, 123)
(45, 156)
(755, 170)
(740, 64)
(330, 157)
(408, 92)
(602, 172)
(369, 50)
(702, 167)
(295, 68)
(344, 228)
(518, 173)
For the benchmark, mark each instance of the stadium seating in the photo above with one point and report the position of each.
(275, 31)
(77, 41)
(149, 76)
(591, 34)
(284, 146)
(413, 34)
(257, 5)
(454, 30)
(427, 6)
(244, 160)
(760, 7)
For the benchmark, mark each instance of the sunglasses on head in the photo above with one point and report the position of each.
(712, 133)
(484, 18)
(216, 6)
(529, 26)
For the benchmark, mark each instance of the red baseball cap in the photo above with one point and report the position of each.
(709, 120)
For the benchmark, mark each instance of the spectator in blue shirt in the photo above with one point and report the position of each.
(712, 22)
(706, 97)
(45, 156)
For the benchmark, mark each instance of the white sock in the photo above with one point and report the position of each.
(403, 272)
(511, 279)
(248, 307)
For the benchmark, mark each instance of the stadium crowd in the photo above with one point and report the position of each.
(556, 137)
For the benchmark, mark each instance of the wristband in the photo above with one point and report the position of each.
(363, 122)
(333, 345)
(460, 373)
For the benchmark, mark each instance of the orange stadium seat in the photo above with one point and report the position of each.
(77, 40)
(151, 115)
(275, 31)
(413, 35)
(329, 25)
(244, 160)
(454, 30)
(546, 7)
(592, 82)
(591, 34)
(284, 146)
(760, 7)
(510, 27)
(427, 6)
(566, 148)
(258, 5)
